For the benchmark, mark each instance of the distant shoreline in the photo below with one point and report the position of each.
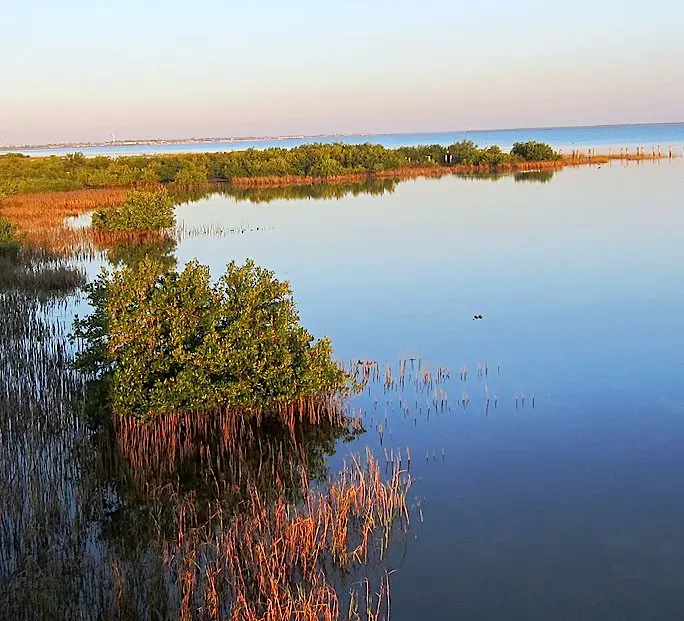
(232, 139)
(442, 171)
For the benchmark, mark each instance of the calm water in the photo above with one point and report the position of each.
(572, 509)
(565, 138)
(559, 499)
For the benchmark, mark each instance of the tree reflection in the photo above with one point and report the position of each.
(534, 176)
(129, 253)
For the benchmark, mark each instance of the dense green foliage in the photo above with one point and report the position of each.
(168, 342)
(141, 211)
(9, 240)
(21, 174)
(533, 151)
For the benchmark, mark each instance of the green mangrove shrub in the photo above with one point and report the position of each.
(465, 152)
(10, 243)
(169, 341)
(141, 211)
(533, 151)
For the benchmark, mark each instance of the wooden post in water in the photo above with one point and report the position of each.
(670, 151)
(660, 153)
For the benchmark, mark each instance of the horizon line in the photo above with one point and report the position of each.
(200, 139)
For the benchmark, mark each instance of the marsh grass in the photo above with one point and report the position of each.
(39, 273)
(224, 517)
(41, 217)
(233, 514)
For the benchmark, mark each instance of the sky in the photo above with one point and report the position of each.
(83, 70)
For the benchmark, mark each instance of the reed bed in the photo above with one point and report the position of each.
(227, 515)
(40, 273)
(230, 517)
(42, 216)
(183, 231)
(277, 560)
(415, 391)
(223, 440)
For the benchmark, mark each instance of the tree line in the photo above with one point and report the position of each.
(24, 174)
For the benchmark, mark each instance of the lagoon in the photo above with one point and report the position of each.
(567, 510)
(545, 438)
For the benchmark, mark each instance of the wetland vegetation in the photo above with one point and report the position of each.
(21, 174)
(168, 341)
(175, 443)
(165, 457)
(140, 211)
(220, 505)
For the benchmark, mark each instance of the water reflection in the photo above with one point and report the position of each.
(535, 176)
(131, 252)
(547, 505)
(101, 518)
(321, 191)
(39, 273)
(373, 187)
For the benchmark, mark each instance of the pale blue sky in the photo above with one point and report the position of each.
(80, 70)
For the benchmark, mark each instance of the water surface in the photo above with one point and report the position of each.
(546, 467)
(565, 138)
(571, 509)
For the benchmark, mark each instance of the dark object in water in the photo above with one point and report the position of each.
(477, 317)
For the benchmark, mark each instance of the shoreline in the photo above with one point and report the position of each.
(574, 160)
(42, 216)
(141, 142)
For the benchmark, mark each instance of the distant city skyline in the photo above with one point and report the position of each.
(211, 139)
(79, 72)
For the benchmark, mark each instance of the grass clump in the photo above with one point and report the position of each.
(169, 341)
(10, 243)
(140, 211)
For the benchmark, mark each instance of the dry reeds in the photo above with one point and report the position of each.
(42, 216)
(273, 561)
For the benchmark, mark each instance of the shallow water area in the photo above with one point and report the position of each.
(543, 439)
(561, 500)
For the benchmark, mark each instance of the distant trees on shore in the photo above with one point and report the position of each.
(23, 174)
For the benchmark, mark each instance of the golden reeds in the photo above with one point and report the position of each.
(42, 217)
(275, 560)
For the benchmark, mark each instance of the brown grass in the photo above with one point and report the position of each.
(266, 545)
(274, 560)
(41, 216)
